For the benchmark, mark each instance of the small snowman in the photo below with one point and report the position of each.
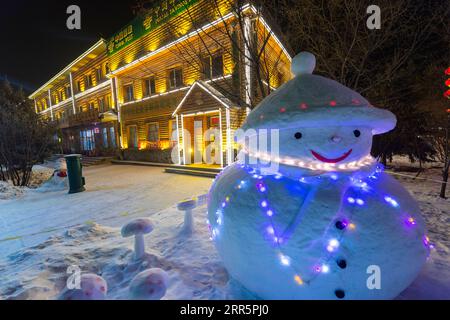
(322, 221)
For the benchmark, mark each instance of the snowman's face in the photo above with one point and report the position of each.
(333, 145)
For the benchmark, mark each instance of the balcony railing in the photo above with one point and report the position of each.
(82, 118)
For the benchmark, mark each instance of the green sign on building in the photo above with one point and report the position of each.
(142, 25)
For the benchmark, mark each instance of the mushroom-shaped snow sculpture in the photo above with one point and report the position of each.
(150, 284)
(187, 206)
(138, 228)
(91, 287)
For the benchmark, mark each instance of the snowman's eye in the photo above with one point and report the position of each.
(357, 133)
(298, 135)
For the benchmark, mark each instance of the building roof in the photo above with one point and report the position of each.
(208, 88)
(83, 59)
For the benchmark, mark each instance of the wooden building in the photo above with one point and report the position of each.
(171, 86)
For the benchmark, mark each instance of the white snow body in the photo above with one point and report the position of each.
(278, 236)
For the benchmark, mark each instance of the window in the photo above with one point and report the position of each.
(128, 93)
(175, 78)
(132, 137)
(173, 130)
(88, 80)
(105, 137)
(153, 132)
(91, 106)
(212, 66)
(87, 140)
(112, 136)
(68, 92)
(107, 69)
(99, 75)
(149, 86)
(108, 101)
(101, 104)
(217, 66)
(79, 85)
(213, 122)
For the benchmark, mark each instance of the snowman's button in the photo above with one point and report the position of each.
(339, 293)
(303, 63)
(340, 225)
(342, 263)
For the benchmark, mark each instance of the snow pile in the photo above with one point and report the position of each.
(41, 177)
(60, 235)
(194, 268)
(8, 191)
(434, 280)
(40, 174)
(55, 183)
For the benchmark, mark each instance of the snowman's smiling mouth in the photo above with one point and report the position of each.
(328, 160)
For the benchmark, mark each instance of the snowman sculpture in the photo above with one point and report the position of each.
(322, 221)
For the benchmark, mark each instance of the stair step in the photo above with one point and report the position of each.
(207, 169)
(167, 165)
(198, 173)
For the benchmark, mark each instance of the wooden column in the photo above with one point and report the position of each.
(72, 93)
(50, 104)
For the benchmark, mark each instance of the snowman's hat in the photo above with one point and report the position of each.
(310, 100)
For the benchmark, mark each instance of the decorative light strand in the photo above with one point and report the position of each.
(351, 166)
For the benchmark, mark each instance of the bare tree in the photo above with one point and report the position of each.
(242, 38)
(25, 138)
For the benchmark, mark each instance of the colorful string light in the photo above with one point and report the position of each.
(333, 244)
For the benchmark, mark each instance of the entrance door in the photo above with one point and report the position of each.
(132, 137)
(198, 141)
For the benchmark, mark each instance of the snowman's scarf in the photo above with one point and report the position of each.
(317, 179)
(317, 190)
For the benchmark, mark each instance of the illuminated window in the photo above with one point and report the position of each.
(79, 86)
(128, 93)
(87, 140)
(173, 130)
(153, 132)
(105, 137)
(112, 136)
(149, 86)
(175, 78)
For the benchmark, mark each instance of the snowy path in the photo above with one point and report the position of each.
(114, 194)
(35, 267)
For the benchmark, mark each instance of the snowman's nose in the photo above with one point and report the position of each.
(336, 139)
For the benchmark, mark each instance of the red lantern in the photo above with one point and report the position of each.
(447, 94)
(447, 71)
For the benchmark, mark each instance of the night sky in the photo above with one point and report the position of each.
(36, 44)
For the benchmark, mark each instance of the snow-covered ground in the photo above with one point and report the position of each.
(42, 233)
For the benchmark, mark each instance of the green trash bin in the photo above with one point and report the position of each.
(75, 173)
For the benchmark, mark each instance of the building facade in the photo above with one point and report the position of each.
(171, 86)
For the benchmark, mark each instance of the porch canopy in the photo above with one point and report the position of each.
(202, 108)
